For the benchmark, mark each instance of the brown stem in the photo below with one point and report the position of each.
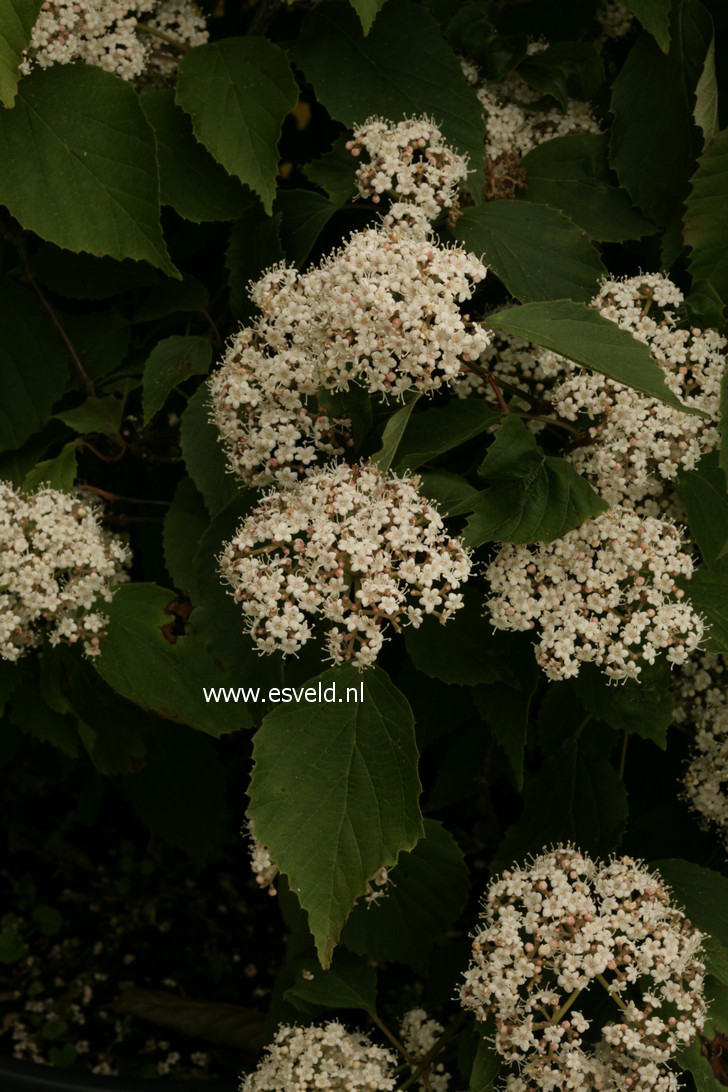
(105, 458)
(115, 497)
(16, 239)
(497, 392)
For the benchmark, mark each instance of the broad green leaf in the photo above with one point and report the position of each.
(654, 136)
(237, 92)
(505, 710)
(576, 796)
(234, 1026)
(392, 435)
(486, 1067)
(171, 297)
(86, 277)
(349, 983)
(564, 70)
(255, 244)
(463, 651)
(58, 472)
(532, 497)
(706, 218)
(435, 431)
(335, 172)
(79, 164)
(304, 215)
(358, 799)
(185, 523)
(571, 174)
(583, 335)
(95, 415)
(101, 339)
(426, 893)
(706, 97)
(705, 500)
(708, 593)
(367, 10)
(703, 894)
(143, 659)
(449, 492)
(30, 712)
(190, 180)
(33, 364)
(536, 251)
(170, 362)
(357, 77)
(17, 18)
(654, 15)
(642, 706)
(203, 453)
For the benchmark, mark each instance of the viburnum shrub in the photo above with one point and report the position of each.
(363, 450)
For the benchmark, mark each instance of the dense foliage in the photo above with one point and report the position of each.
(363, 449)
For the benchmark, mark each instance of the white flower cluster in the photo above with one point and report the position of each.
(56, 564)
(605, 593)
(410, 161)
(418, 1034)
(513, 362)
(326, 1056)
(110, 34)
(362, 550)
(262, 865)
(383, 311)
(614, 18)
(638, 443)
(701, 702)
(516, 121)
(558, 931)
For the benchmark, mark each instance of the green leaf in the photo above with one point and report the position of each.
(583, 335)
(17, 18)
(655, 18)
(486, 1067)
(58, 472)
(190, 180)
(435, 431)
(350, 983)
(564, 70)
(170, 362)
(464, 650)
(203, 453)
(641, 706)
(171, 297)
(706, 97)
(335, 172)
(30, 712)
(12, 945)
(703, 894)
(505, 710)
(85, 277)
(359, 796)
(95, 415)
(237, 92)
(255, 244)
(426, 894)
(185, 523)
(536, 251)
(392, 435)
(79, 164)
(143, 659)
(708, 593)
(367, 10)
(304, 215)
(571, 174)
(33, 364)
(101, 339)
(577, 796)
(703, 495)
(234, 1026)
(450, 493)
(706, 218)
(654, 136)
(533, 497)
(357, 77)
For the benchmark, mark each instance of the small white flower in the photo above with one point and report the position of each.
(326, 1056)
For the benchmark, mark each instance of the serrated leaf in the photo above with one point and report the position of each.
(463, 651)
(536, 251)
(393, 433)
(95, 415)
(237, 92)
(86, 277)
(17, 18)
(486, 1067)
(255, 245)
(583, 335)
(33, 364)
(80, 166)
(214, 1021)
(571, 174)
(654, 137)
(304, 215)
(367, 10)
(58, 472)
(185, 523)
(101, 339)
(450, 493)
(170, 362)
(357, 77)
(564, 70)
(423, 900)
(706, 217)
(703, 894)
(505, 710)
(532, 497)
(349, 983)
(359, 796)
(706, 97)
(654, 15)
(190, 180)
(703, 494)
(435, 431)
(203, 453)
(708, 593)
(642, 706)
(144, 660)
(335, 172)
